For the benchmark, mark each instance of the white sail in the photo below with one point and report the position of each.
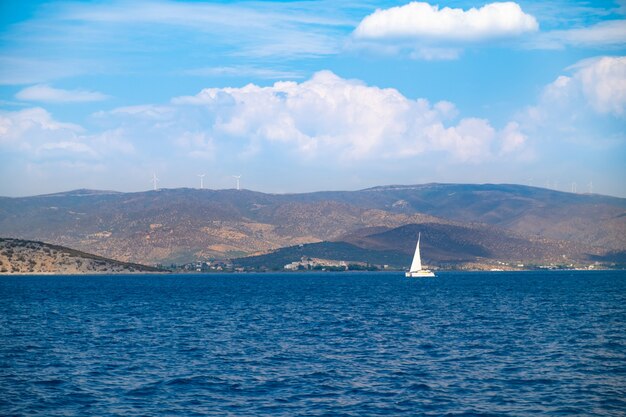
(416, 265)
(416, 270)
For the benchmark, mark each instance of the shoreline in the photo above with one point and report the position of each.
(194, 273)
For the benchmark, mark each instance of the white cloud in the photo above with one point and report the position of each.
(585, 108)
(470, 140)
(35, 131)
(600, 83)
(422, 20)
(22, 128)
(65, 147)
(324, 121)
(22, 69)
(47, 94)
(243, 71)
(287, 29)
(197, 144)
(513, 139)
(606, 33)
(113, 141)
(603, 83)
(435, 54)
(141, 111)
(329, 115)
(323, 118)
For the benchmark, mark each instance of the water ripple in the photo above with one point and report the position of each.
(519, 344)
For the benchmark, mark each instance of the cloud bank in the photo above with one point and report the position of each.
(323, 118)
(331, 118)
(327, 121)
(329, 115)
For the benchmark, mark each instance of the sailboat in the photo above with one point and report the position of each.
(416, 270)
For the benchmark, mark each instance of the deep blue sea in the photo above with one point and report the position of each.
(328, 344)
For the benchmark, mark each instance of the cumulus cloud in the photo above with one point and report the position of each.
(35, 131)
(25, 127)
(323, 121)
(325, 118)
(603, 83)
(586, 107)
(422, 20)
(331, 115)
(513, 139)
(600, 83)
(47, 94)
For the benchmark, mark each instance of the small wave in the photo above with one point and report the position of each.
(123, 330)
(218, 347)
(418, 387)
(51, 382)
(145, 390)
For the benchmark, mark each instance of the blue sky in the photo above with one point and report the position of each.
(321, 95)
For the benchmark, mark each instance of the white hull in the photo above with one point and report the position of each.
(424, 273)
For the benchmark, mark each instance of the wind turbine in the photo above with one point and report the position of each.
(574, 188)
(154, 181)
(237, 177)
(201, 180)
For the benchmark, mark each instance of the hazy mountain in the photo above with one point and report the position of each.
(25, 256)
(585, 218)
(183, 224)
(188, 224)
(457, 243)
(442, 244)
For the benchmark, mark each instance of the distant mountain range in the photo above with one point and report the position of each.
(459, 223)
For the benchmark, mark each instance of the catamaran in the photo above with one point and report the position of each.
(416, 270)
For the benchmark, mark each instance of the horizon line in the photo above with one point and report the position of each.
(92, 191)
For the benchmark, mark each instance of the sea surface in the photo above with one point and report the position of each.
(308, 344)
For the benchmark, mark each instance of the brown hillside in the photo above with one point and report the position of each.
(24, 256)
(183, 225)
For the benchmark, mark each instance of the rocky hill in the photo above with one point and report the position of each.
(25, 256)
(336, 251)
(443, 244)
(182, 225)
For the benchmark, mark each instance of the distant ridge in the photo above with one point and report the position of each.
(392, 187)
(184, 224)
(79, 192)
